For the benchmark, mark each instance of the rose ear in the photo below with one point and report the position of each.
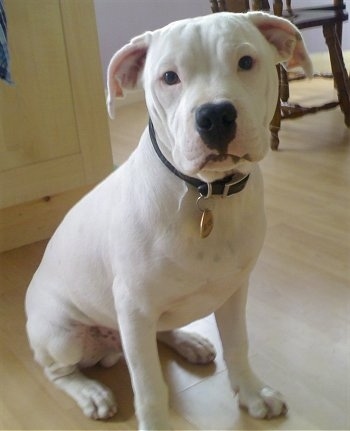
(125, 69)
(285, 37)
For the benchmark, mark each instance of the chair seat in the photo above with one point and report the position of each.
(314, 18)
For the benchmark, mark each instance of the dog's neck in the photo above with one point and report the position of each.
(224, 187)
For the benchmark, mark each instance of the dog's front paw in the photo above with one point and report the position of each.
(265, 404)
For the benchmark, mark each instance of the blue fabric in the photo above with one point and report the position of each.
(4, 54)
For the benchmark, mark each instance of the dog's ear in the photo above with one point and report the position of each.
(125, 69)
(285, 37)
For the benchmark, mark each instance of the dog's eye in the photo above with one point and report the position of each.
(246, 62)
(171, 78)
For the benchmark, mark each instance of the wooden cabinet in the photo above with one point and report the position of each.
(54, 137)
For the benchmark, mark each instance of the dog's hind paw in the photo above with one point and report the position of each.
(97, 401)
(267, 404)
(193, 347)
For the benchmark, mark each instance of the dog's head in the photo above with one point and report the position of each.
(211, 86)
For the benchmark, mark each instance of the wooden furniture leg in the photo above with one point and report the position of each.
(275, 124)
(284, 84)
(339, 70)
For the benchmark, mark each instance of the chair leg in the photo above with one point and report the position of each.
(338, 69)
(275, 124)
(284, 84)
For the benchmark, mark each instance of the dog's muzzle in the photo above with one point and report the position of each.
(216, 124)
(224, 187)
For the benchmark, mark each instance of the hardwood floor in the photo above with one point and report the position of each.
(298, 308)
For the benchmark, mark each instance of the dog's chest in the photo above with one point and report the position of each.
(234, 241)
(200, 283)
(194, 276)
(194, 302)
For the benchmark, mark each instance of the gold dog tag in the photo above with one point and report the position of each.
(206, 224)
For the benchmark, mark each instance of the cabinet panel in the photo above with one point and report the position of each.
(37, 120)
(54, 135)
(58, 174)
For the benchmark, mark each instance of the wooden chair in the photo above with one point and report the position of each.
(330, 18)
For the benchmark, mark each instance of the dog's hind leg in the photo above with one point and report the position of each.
(60, 350)
(95, 399)
(193, 347)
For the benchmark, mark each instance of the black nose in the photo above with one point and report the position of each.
(216, 124)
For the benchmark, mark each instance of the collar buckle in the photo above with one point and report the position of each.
(231, 189)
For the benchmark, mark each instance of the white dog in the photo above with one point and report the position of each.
(174, 233)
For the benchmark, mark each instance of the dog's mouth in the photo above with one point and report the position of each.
(222, 161)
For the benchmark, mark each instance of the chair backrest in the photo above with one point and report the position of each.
(229, 5)
(278, 5)
(243, 5)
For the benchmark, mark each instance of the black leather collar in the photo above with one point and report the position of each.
(227, 186)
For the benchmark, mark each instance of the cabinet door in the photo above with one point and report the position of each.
(48, 137)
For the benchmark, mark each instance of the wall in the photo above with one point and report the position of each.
(119, 20)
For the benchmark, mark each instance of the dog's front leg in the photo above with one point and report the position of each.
(260, 400)
(138, 334)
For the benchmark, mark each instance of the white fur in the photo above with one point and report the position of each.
(127, 260)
